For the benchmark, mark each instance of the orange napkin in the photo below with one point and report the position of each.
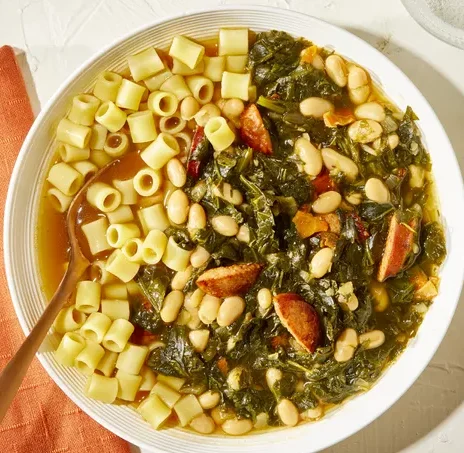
(41, 419)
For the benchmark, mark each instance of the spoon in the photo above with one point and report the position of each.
(13, 374)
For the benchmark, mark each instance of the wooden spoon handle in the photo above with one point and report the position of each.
(14, 372)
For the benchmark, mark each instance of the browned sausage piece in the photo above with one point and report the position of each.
(300, 319)
(229, 280)
(253, 133)
(398, 246)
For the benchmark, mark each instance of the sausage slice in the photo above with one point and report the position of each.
(300, 319)
(229, 280)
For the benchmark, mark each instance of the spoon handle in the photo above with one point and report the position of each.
(13, 374)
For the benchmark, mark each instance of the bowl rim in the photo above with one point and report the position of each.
(76, 74)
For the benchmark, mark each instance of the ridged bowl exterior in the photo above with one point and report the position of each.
(22, 211)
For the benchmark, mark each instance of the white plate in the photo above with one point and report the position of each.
(21, 220)
(440, 19)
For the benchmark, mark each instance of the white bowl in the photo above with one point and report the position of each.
(21, 220)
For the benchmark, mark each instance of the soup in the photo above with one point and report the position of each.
(267, 246)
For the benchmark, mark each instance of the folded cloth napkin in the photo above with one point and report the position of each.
(41, 418)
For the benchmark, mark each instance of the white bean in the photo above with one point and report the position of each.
(209, 308)
(178, 207)
(181, 278)
(416, 176)
(288, 412)
(171, 305)
(203, 424)
(229, 194)
(221, 414)
(358, 85)
(243, 234)
(230, 310)
(377, 191)
(364, 131)
(312, 414)
(373, 339)
(380, 294)
(225, 225)
(393, 140)
(354, 198)
(310, 155)
(209, 399)
(199, 339)
(315, 107)
(332, 159)
(327, 202)
(321, 262)
(264, 298)
(262, 421)
(336, 70)
(176, 172)
(207, 112)
(199, 257)
(197, 217)
(346, 345)
(318, 62)
(189, 108)
(370, 111)
(233, 108)
(272, 376)
(237, 427)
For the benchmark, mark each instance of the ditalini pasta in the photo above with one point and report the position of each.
(154, 83)
(142, 126)
(69, 319)
(65, 178)
(126, 188)
(95, 327)
(107, 363)
(88, 295)
(147, 182)
(129, 95)
(73, 134)
(145, 64)
(177, 86)
(159, 152)
(187, 51)
(115, 309)
(111, 116)
(118, 335)
(118, 265)
(154, 246)
(59, 200)
(95, 233)
(102, 388)
(214, 67)
(223, 222)
(118, 234)
(70, 153)
(162, 103)
(116, 144)
(83, 109)
(103, 197)
(132, 358)
(107, 86)
(122, 214)
(115, 291)
(69, 348)
(128, 385)
(153, 218)
(87, 360)
(233, 41)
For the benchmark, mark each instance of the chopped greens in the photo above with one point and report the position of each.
(276, 191)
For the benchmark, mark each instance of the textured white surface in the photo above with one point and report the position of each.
(58, 35)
